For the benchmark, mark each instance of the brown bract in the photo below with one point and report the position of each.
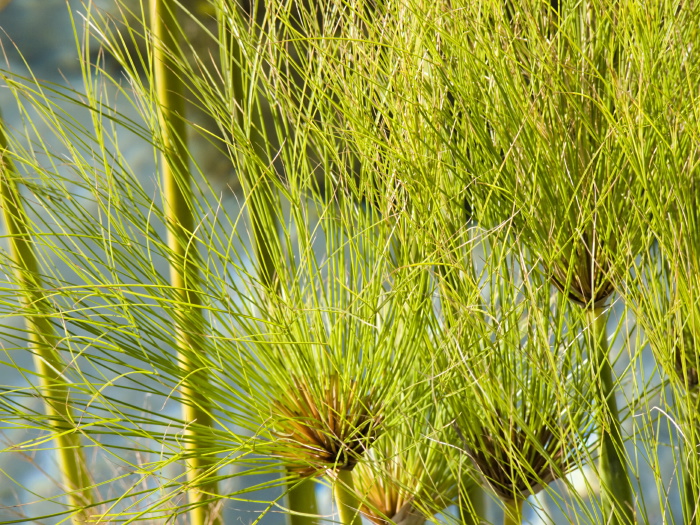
(514, 466)
(584, 276)
(384, 501)
(394, 489)
(330, 431)
(686, 364)
(405, 515)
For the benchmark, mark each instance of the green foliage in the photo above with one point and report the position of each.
(447, 235)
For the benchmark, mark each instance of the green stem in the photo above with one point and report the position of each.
(691, 492)
(690, 496)
(264, 226)
(345, 499)
(690, 467)
(513, 512)
(616, 487)
(259, 192)
(472, 505)
(184, 275)
(43, 341)
(302, 502)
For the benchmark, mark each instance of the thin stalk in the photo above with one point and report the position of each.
(302, 500)
(263, 220)
(691, 479)
(264, 227)
(691, 495)
(513, 512)
(43, 341)
(184, 276)
(689, 404)
(345, 499)
(617, 494)
(259, 192)
(472, 505)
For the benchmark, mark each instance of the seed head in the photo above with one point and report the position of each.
(517, 462)
(327, 431)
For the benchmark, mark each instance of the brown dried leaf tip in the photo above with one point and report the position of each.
(325, 428)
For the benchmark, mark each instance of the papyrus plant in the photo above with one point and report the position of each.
(102, 258)
(333, 361)
(106, 224)
(410, 473)
(314, 281)
(521, 426)
(549, 84)
(663, 286)
(43, 340)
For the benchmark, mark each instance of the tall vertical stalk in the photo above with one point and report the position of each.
(263, 221)
(690, 500)
(472, 501)
(345, 498)
(472, 505)
(691, 491)
(257, 189)
(302, 502)
(513, 512)
(616, 487)
(685, 367)
(43, 341)
(184, 276)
